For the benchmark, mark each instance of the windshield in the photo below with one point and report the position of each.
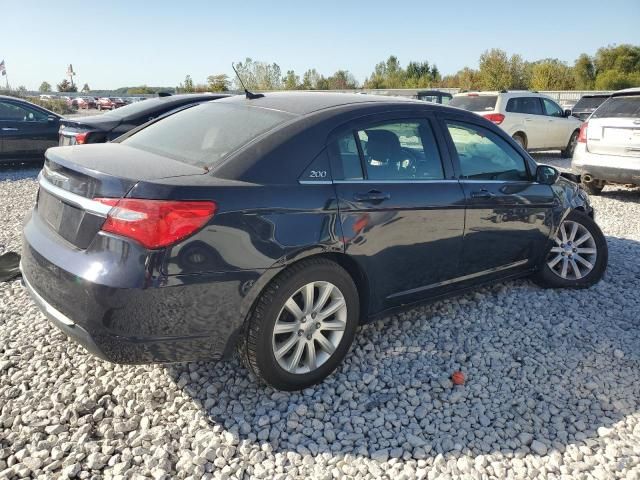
(619, 107)
(205, 134)
(589, 102)
(475, 103)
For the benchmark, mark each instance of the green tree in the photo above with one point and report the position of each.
(622, 58)
(342, 80)
(85, 88)
(552, 74)
(520, 72)
(187, 87)
(259, 75)
(584, 72)
(45, 87)
(218, 83)
(616, 80)
(141, 90)
(291, 81)
(66, 86)
(495, 70)
(310, 80)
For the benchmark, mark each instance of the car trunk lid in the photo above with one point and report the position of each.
(73, 177)
(614, 136)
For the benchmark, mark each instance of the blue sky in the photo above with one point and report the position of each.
(124, 43)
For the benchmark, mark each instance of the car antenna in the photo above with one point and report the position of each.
(247, 93)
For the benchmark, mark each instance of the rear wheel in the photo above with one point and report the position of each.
(578, 257)
(520, 140)
(303, 325)
(571, 146)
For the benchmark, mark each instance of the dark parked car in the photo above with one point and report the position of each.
(588, 104)
(26, 130)
(102, 128)
(434, 96)
(281, 223)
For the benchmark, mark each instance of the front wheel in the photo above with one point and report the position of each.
(578, 257)
(302, 325)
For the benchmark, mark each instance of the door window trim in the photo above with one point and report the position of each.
(372, 120)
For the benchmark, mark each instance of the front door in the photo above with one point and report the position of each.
(508, 215)
(26, 132)
(401, 211)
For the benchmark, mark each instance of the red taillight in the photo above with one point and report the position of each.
(81, 138)
(582, 136)
(496, 118)
(156, 223)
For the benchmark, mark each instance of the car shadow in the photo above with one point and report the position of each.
(19, 171)
(553, 367)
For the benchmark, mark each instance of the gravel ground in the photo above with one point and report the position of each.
(552, 391)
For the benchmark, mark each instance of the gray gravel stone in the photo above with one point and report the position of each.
(555, 371)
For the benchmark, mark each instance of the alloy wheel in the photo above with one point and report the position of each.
(574, 255)
(309, 327)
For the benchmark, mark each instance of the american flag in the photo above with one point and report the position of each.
(3, 68)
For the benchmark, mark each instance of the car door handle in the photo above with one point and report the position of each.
(8, 129)
(482, 194)
(527, 119)
(371, 196)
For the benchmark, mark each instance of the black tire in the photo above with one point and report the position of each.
(571, 146)
(545, 276)
(257, 350)
(592, 188)
(520, 139)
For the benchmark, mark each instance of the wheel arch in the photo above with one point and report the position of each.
(520, 133)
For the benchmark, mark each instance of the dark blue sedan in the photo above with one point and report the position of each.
(279, 224)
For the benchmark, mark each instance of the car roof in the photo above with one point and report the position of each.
(303, 103)
(595, 95)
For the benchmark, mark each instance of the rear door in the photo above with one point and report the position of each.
(508, 215)
(401, 210)
(527, 113)
(614, 128)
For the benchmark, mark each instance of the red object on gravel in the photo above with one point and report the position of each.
(457, 378)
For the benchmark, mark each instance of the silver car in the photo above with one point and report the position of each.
(608, 149)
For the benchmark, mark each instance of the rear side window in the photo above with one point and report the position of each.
(205, 134)
(529, 105)
(621, 107)
(402, 150)
(483, 155)
(475, 103)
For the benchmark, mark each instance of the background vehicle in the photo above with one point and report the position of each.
(588, 104)
(608, 149)
(117, 102)
(434, 96)
(533, 120)
(83, 102)
(283, 222)
(26, 130)
(105, 103)
(102, 128)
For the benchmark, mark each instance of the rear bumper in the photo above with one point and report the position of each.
(612, 168)
(105, 301)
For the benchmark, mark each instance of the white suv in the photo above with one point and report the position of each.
(535, 121)
(608, 148)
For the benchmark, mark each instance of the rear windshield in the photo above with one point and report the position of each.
(589, 102)
(204, 134)
(133, 109)
(475, 103)
(619, 107)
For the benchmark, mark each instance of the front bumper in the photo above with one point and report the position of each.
(611, 168)
(123, 317)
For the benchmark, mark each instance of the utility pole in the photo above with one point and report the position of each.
(70, 74)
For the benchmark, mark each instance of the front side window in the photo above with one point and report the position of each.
(401, 150)
(528, 105)
(483, 155)
(19, 113)
(552, 109)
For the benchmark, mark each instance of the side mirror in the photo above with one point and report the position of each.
(567, 113)
(546, 175)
